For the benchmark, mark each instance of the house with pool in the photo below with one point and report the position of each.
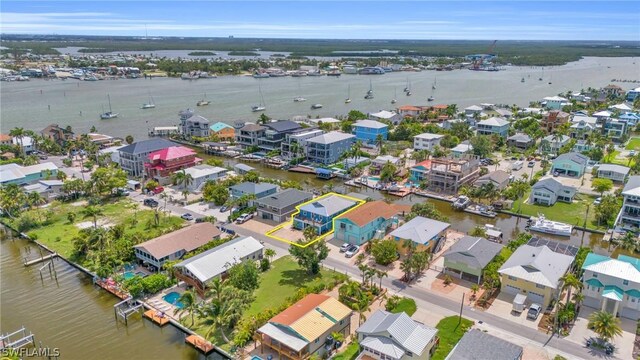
(168, 247)
(370, 221)
(419, 171)
(321, 213)
(424, 232)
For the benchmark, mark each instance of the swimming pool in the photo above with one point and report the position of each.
(374, 178)
(172, 298)
(129, 274)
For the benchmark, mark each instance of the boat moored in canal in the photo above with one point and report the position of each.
(541, 224)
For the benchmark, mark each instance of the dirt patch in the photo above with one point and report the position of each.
(484, 305)
(103, 223)
(288, 233)
(439, 285)
(80, 203)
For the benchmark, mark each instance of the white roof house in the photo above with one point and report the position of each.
(620, 107)
(539, 265)
(370, 124)
(494, 121)
(429, 136)
(420, 230)
(200, 171)
(14, 173)
(384, 114)
(603, 113)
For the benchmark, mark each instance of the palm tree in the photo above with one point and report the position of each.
(189, 304)
(93, 212)
(569, 281)
(605, 325)
(578, 298)
(381, 274)
(361, 309)
(629, 241)
(269, 254)
(19, 134)
(182, 178)
(221, 316)
(219, 290)
(355, 149)
(185, 193)
(379, 142)
(35, 199)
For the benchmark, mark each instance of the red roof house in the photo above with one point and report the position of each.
(163, 163)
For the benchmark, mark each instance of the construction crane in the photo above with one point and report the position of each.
(481, 59)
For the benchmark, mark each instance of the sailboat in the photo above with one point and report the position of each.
(406, 88)
(540, 78)
(370, 92)
(149, 105)
(550, 77)
(522, 80)
(261, 106)
(395, 95)
(348, 99)
(299, 98)
(203, 102)
(433, 87)
(109, 114)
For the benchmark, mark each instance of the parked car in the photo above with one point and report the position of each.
(601, 344)
(122, 192)
(224, 209)
(352, 251)
(187, 216)
(632, 153)
(158, 190)
(534, 311)
(597, 201)
(345, 247)
(556, 174)
(43, 157)
(150, 203)
(531, 164)
(243, 218)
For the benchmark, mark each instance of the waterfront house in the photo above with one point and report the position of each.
(379, 162)
(294, 144)
(520, 141)
(333, 123)
(193, 125)
(409, 110)
(275, 133)
(103, 141)
(534, 272)
(370, 221)
(493, 125)
(504, 113)
(549, 190)
(570, 164)
(462, 149)
(602, 116)
(633, 94)
(24, 175)
(390, 116)
(7, 139)
(132, 157)
(203, 173)
(175, 245)
(301, 331)
(426, 141)
(368, 131)
(555, 102)
(499, 179)
(26, 143)
(199, 270)
(629, 216)
(477, 344)
(57, 134)
(163, 163)
(613, 90)
(223, 131)
(242, 169)
(631, 118)
(327, 148)
(278, 207)
(553, 120)
(468, 257)
(448, 175)
(582, 126)
(612, 285)
(617, 173)
(248, 135)
(418, 172)
(615, 129)
(473, 111)
(621, 108)
(321, 213)
(260, 190)
(387, 336)
(424, 232)
(553, 143)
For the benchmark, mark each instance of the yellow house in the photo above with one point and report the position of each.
(534, 272)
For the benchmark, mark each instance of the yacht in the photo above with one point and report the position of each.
(260, 75)
(149, 105)
(433, 86)
(299, 99)
(109, 114)
(371, 70)
(431, 98)
(334, 73)
(316, 106)
(315, 73)
(541, 224)
(461, 202)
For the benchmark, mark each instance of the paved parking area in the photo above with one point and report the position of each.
(205, 209)
(502, 306)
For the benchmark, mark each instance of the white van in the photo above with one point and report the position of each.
(517, 165)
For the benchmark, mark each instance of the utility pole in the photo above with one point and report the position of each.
(584, 224)
(461, 307)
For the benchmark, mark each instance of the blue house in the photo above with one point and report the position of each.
(260, 190)
(327, 148)
(368, 130)
(23, 175)
(370, 221)
(320, 214)
(494, 125)
(571, 164)
(419, 171)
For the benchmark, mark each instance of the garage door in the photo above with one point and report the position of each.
(535, 298)
(512, 290)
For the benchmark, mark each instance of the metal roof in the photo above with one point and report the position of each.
(283, 126)
(478, 345)
(329, 206)
(476, 252)
(538, 265)
(617, 268)
(331, 137)
(147, 146)
(253, 188)
(494, 121)
(405, 332)
(420, 229)
(632, 187)
(429, 136)
(614, 168)
(285, 198)
(372, 124)
(285, 337)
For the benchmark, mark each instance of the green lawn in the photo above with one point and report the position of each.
(633, 144)
(407, 305)
(449, 333)
(614, 158)
(350, 352)
(564, 212)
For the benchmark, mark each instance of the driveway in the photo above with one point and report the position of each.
(502, 306)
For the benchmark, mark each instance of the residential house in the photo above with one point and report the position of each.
(629, 216)
(390, 116)
(612, 285)
(617, 173)
(615, 129)
(520, 141)
(370, 221)
(447, 175)
(6, 139)
(193, 125)
(223, 131)
(26, 143)
(174, 245)
(48, 189)
(203, 173)
(553, 143)
(461, 150)
(368, 131)
(23, 175)
(499, 179)
(327, 148)
(582, 126)
(493, 125)
(379, 162)
(387, 336)
(424, 232)
(321, 213)
(426, 141)
(632, 119)
(242, 169)
(199, 270)
(278, 207)
(504, 113)
(409, 110)
(57, 134)
(633, 94)
(602, 116)
(419, 171)
(534, 272)
(259, 190)
(163, 163)
(555, 102)
(294, 144)
(275, 133)
(132, 157)
(248, 135)
(477, 344)
(613, 90)
(553, 120)
(316, 122)
(301, 331)
(468, 257)
(621, 108)
(473, 111)
(571, 164)
(549, 190)
(582, 146)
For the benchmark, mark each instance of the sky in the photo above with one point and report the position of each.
(459, 20)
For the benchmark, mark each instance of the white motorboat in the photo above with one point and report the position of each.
(461, 202)
(431, 98)
(299, 99)
(541, 224)
(316, 106)
(203, 102)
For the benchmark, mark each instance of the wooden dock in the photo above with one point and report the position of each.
(158, 319)
(200, 343)
(39, 260)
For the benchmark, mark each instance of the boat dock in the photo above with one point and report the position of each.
(9, 341)
(158, 319)
(112, 288)
(39, 260)
(303, 169)
(200, 343)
